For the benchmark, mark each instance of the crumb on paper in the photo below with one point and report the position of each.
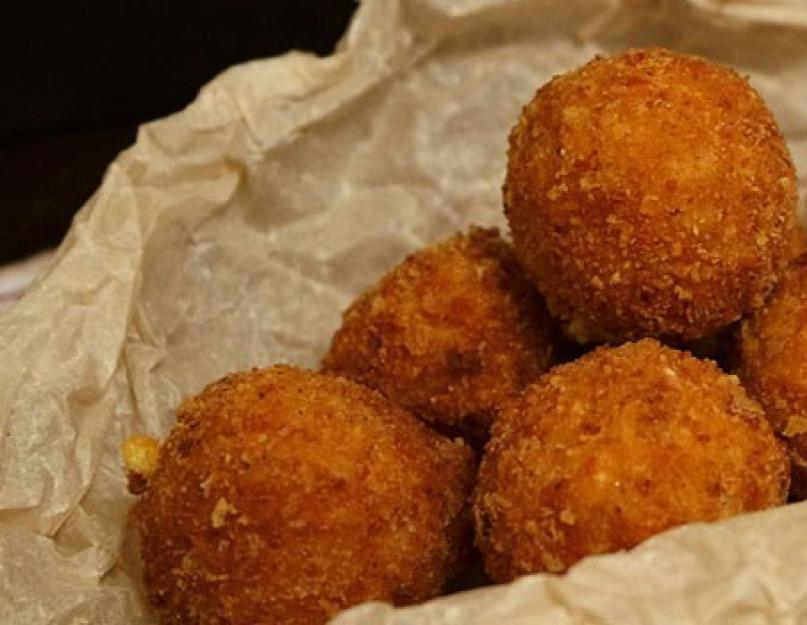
(140, 455)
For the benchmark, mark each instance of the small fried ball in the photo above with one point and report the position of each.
(604, 452)
(773, 365)
(450, 333)
(283, 496)
(650, 194)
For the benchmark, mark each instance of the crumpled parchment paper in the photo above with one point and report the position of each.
(233, 233)
(16, 277)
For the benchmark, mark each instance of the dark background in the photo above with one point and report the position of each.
(78, 77)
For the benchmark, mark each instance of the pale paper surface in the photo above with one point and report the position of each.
(15, 278)
(233, 233)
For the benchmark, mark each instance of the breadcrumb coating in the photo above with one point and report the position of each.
(283, 495)
(773, 365)
(604, 452)
(450, 333)
(650, 194)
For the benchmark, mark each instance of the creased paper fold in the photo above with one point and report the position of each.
(233, 233)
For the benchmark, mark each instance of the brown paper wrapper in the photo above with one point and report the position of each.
(233, 233)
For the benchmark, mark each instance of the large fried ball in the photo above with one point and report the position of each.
(283, 496)
(650, 194)
(773, 365)
(449, 333)
(604, 452)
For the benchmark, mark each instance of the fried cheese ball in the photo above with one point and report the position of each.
(773, 365)
(650, 194)
(604, 452)
(283, 496)
(450, 333)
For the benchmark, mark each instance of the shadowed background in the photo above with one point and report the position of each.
(79, 77)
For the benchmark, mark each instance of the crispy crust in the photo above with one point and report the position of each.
(650, 194)
(773, 365)
(450, 333)
(283, 495)
(604, 452)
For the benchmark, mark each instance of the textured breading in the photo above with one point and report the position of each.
(650, 194)
(602, 453)
(450, 333)
(773, 365)
(283, 495)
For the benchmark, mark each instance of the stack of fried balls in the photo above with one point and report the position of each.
(533, 403)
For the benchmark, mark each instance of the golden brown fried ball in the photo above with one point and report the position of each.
(449, 333)
(773, 365)
(650, 194)
(604, 452)
(283, 496)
